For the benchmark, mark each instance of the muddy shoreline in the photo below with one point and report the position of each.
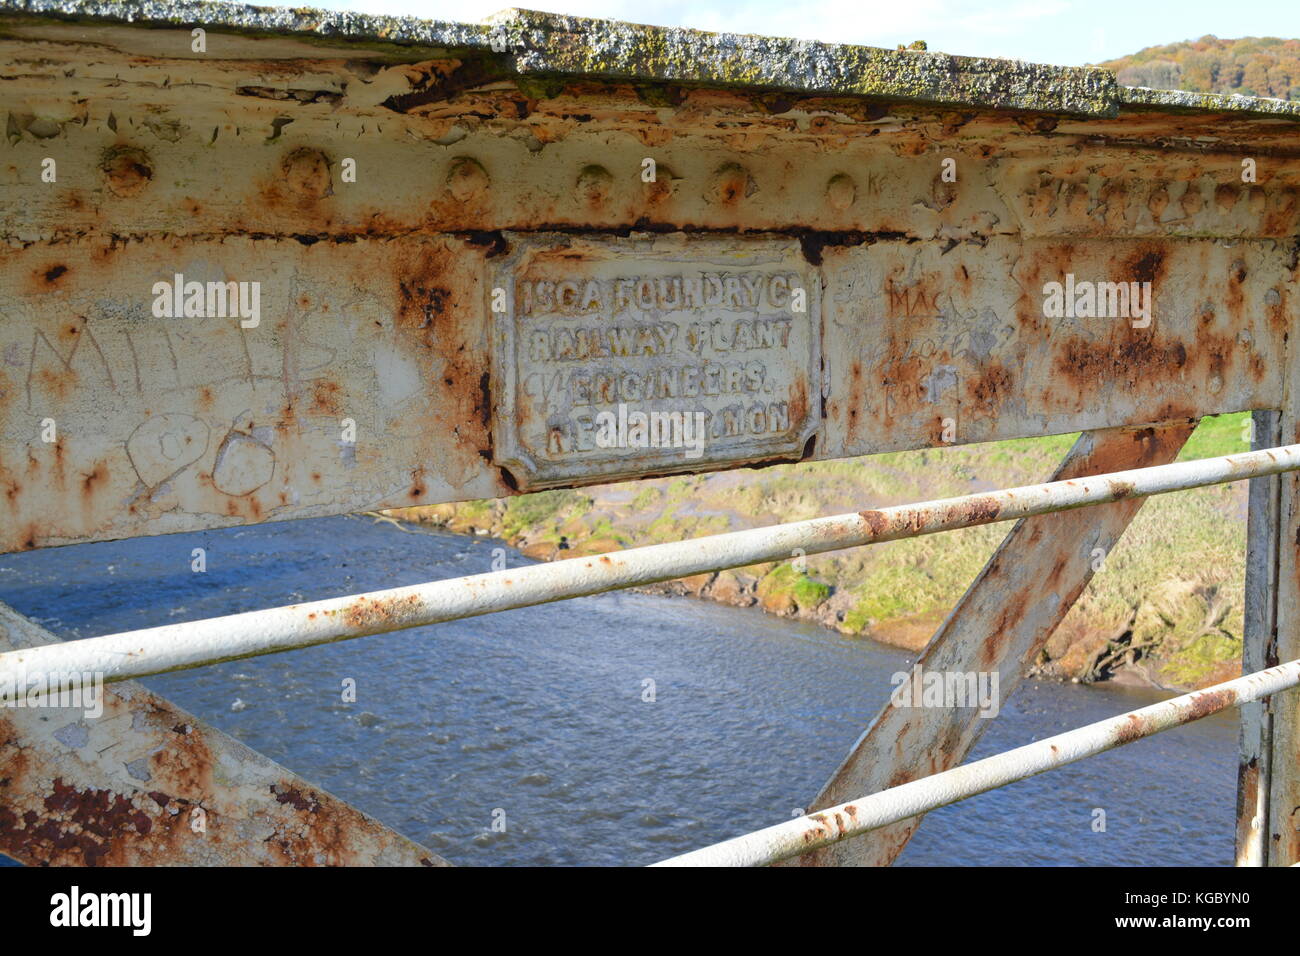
(910, 634)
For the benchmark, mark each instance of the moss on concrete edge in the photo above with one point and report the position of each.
(1184, 101)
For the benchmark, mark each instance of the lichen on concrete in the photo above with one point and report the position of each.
(573, 45)
(1179, 100)
(529, 43)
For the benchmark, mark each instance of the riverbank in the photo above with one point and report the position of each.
(1165, 610)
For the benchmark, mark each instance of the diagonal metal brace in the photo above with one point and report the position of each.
(146, 784)
(1000, 624)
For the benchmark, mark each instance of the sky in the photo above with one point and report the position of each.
(1064, 32)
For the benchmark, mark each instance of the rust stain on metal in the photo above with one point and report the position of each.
(147, 784)
(975, 511)
(367, 612)
(876, 521)
(376, 291)
(1000, 624)
(1210, 702)
(1133, 729)
(377, 295)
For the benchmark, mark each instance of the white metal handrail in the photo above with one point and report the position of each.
(174, 647)
(814, 830)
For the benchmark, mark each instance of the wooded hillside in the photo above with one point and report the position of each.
(1255, 66)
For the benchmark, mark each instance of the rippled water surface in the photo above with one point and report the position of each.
(539, 712)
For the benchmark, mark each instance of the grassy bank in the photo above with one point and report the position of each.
(1166, 605)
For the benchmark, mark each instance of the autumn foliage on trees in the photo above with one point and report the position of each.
(1254, 66)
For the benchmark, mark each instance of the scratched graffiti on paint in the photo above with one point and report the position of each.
(127, 418)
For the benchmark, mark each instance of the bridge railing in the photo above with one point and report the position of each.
(140, 653)
(173, 647)
(834, 824)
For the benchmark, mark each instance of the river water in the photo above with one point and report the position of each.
(539, 713)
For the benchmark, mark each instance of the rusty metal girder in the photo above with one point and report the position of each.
(404, 193)
(1258, 650)
(144, 784)
(169, 426)
(1276, 731)
(376, 294)
(1000, 624)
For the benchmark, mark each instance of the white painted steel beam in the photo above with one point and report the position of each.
(378, 372)
(1280, 734)
(1258, 651)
